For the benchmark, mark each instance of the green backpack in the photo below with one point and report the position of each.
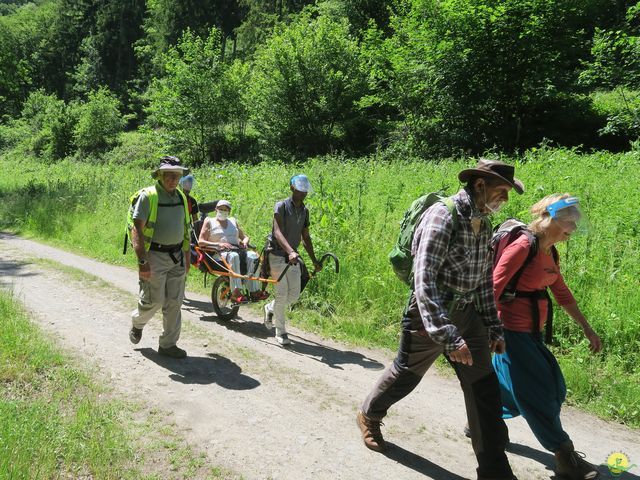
(400, 256)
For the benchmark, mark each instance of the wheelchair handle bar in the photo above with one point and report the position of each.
(336, 263)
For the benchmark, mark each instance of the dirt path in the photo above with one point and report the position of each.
(261, 410)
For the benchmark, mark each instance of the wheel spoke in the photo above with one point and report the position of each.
(221, 298)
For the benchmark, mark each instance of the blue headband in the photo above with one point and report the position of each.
(555, 207)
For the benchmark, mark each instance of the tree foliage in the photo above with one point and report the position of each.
(44, 127)
(167, 20)
(471, 74)
(99, 123)
(306, 85)
(614, 67)
(302, 77)
(22, 35)
(260, 17)
(190, 102)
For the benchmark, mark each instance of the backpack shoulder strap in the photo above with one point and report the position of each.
(533, 244)
(451, 206)
(533, 251)
(152, 194)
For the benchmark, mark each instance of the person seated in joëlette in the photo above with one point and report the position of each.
(224, 234)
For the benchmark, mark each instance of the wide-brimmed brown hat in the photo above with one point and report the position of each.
(493, 169)
(170, 164)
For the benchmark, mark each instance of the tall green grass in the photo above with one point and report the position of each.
(355, 212)
(56, 421)
(53, 422)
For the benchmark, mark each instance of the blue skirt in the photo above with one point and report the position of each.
(532, 385)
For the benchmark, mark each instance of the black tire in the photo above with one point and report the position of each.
(221, 299)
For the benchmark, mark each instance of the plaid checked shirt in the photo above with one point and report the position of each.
(444, 271)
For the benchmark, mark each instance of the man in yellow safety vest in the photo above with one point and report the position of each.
(160, 239)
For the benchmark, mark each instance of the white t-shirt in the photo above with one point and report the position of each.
(217, 234)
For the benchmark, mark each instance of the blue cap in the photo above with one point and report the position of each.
(301, 183)
(188, 182)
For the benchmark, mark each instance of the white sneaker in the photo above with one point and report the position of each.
(268, 317)
(283, 339)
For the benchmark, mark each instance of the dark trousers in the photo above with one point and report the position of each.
(479, 385)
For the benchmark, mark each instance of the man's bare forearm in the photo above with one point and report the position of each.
(137, 240)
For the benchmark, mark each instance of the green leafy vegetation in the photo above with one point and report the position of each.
(54, 411)
(253, 79)
(307, 81)
(355, 213)
(192, 103)
(251, 91)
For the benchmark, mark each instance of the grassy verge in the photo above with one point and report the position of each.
(355, 211)
(56, 421)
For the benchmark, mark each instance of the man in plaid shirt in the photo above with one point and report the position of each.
(452, 311)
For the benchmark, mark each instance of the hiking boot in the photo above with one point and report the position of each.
(135, 334)
(371, 434)
(283, 339)
(268, 317)
(572, 465)
(173, 352)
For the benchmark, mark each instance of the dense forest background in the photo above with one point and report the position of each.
(217, 80)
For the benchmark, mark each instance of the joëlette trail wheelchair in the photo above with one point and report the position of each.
(209, 261)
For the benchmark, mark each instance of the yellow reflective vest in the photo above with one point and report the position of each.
(147, 231)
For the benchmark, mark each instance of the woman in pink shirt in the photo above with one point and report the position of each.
(531, 382)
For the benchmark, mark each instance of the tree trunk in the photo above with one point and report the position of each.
(223, 47)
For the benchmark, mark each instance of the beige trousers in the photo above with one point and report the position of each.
(164, 289)
(287, 290)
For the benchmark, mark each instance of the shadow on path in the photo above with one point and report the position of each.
(421, 464)
(13, 269)
(543, 457)
(213, 368)
(196, 306)
(330, 356)
(240, 325)
(548, 460)
(204, 310)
